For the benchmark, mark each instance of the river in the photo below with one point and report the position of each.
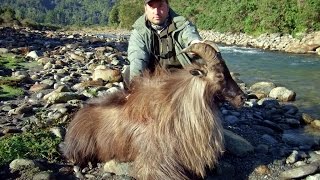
(300, 73)
(297, 72)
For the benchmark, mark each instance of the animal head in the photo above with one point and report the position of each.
(215, 71)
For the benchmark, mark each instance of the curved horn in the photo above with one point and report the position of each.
(211, 43)
(206, 51)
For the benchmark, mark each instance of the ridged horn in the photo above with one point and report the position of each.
(211, 43)
(205, 50)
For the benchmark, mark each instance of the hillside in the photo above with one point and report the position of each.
(252, 16)
(246, 16)
(61, 12)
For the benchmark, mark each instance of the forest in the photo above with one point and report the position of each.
(60, 12)
(247, 16)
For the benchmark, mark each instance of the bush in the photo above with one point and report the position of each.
(7, 15)
(31, 145)
(252, 16)
(129, 11)
(114, 19)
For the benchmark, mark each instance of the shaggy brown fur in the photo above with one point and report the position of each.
(168, 125)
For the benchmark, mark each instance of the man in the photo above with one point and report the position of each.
(158, 37)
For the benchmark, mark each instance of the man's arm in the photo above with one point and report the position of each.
(138, 54)
(190, 34)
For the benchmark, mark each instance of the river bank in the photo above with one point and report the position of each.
(264, 140)
(303, 43)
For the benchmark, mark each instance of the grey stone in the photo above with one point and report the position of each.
(298, 139)
(262, 89)
(231, 119)
(237, 145)
(282, 94)
(77, 172)
(19, 164)
(110, 75)
(44, 175)
(262, 148)
(48, 66)
(293, 122)
(24, 108)
(77, 57)
(290, 109)
(314, 157)
(58, 131)
(294, 156)
(33, 55)
(299, 172)
(62, 97)
(263, 129)
(106, 175)
(89, 176)
(49, 82)
(272, 125)
(4, 50)
(316, 176)
(269, 139)
(117, 168)
(315, 123)
(7, 108)
(268, 103)
(11, 129)
(224, 169)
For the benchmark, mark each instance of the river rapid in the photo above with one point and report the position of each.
(300, 73)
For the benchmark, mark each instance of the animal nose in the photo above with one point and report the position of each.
(244, 97)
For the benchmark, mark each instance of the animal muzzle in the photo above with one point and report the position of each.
(235, 99)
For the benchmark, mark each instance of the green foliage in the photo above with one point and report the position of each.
(114, 19)
(32, 145)
(7, 91)
(64, 12)
(7, 14)
(9, 85)
(10, 61)
(248, 16)
(129, 11)
(252, 16)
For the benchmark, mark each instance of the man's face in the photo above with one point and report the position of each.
(157, 11)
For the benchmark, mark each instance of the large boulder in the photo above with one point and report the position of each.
(237, 145)
(33, 55)
(4, 50)
(19, 164)
(109, 75)
(262, 89)
(282, 94)
(318, 51)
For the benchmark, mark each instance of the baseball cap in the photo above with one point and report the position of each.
(147, 1)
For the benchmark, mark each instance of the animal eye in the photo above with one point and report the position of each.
(197, 72)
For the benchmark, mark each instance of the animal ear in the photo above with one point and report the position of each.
(197, 72)
(219, 77)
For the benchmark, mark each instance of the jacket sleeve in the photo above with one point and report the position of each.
(190, 33)
(138, 54)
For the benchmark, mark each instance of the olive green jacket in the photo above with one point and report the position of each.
(139, 49)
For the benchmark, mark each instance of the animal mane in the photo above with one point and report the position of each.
(180, 110)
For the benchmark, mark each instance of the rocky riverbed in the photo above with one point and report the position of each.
(303, 43)
(269, 138)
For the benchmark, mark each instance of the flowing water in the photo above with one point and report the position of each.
(300, 73)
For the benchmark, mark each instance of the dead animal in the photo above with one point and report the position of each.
(167, 125)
